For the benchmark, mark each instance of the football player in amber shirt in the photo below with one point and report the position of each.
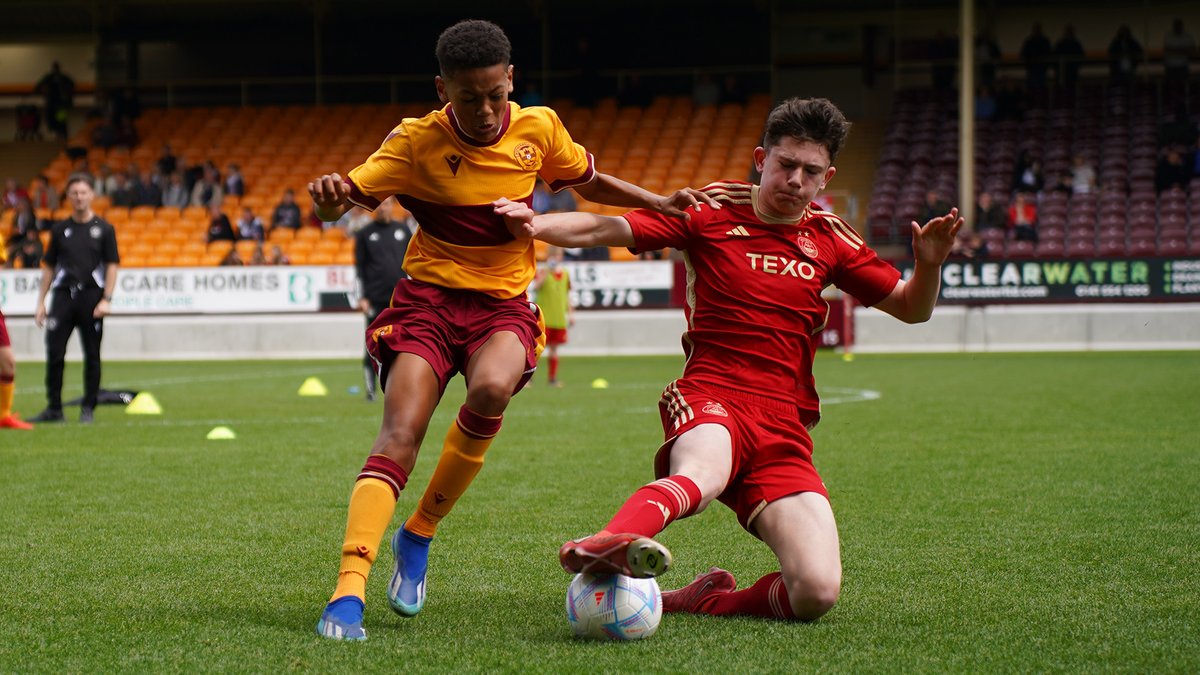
(736, 422)
(463, 308)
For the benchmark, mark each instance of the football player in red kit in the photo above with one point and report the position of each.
(736, 423)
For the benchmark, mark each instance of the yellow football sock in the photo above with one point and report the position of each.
(6, 397)
(372, 504)
(462, 457)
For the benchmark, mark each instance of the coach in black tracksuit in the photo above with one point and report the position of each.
(79, 273)
(378, 263)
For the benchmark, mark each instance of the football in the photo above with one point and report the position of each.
(613, 607)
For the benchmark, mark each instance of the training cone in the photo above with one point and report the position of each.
(221, 434)
(143, 404)
(313, 387)
(599, 383)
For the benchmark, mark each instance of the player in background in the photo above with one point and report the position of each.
(464, 307)
(736, 421)
(379, 249)
(8, 372)
(553, 295)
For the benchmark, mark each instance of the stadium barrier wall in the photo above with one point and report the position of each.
(647, 331)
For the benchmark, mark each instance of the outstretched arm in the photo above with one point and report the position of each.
(613, 191)
(912, 301)
(569, 230)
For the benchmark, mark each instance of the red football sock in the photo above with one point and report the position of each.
(656, 505)
(767, 598)
(553, 368)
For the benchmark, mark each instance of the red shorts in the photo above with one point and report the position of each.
(446, 326)
(772, 451)
(4, 339)
(556, 336)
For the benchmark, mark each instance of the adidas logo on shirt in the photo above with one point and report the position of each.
(738, 231)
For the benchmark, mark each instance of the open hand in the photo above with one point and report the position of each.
(933, 241)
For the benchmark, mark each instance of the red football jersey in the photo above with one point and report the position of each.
(754, 288)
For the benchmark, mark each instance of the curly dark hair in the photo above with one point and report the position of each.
(808, 119)
(472, 44)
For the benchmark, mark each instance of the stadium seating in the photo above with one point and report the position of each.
(1115, 128)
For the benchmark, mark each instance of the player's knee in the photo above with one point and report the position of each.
(8, 364)
(813, 597)
(489, 396)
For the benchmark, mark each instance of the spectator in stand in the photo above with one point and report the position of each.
(24, 219)
(1035, 54)
(166, 163)
(278, 257)
(148, 192)
(1083, 176)
(58, 91)
(985, 103)
(250, 226)
(219, 227)
(14, 194)
(989, 214)
(1064, 185)
(41, 195)
(1178, 49)
(1022, 217)
(232, 259)
(1171, 171)
(208, 190)
(103, 182)
(987, 55)
(235, 184)
(969, 245)
(104, 134)
(27, 253)
(287, 212)
(933, 202)
(1068, 53)
(1031, 179)
(1124, 52)
(258, 257)
(122, 193)
(176, 195)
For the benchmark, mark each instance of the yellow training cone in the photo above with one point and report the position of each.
(599, 383)
(221, 434)
(313, 387)
(143, 404)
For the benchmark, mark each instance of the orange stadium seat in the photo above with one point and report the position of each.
(132, 260)
(344, 258)
(186, 260)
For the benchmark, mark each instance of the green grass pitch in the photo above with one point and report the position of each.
(998, 513)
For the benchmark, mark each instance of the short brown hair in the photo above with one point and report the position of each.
(77, 178)
(808, 119)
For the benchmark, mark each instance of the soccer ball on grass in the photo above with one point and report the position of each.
(613, 607)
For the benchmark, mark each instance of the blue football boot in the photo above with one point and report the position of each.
(406, 592)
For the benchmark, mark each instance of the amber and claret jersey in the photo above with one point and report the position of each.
(754, 285)
(448, 181)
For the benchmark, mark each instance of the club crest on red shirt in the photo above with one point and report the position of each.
(807, 247)
(712, 408)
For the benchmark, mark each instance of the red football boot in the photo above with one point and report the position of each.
(689, 598)
(630, 554)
